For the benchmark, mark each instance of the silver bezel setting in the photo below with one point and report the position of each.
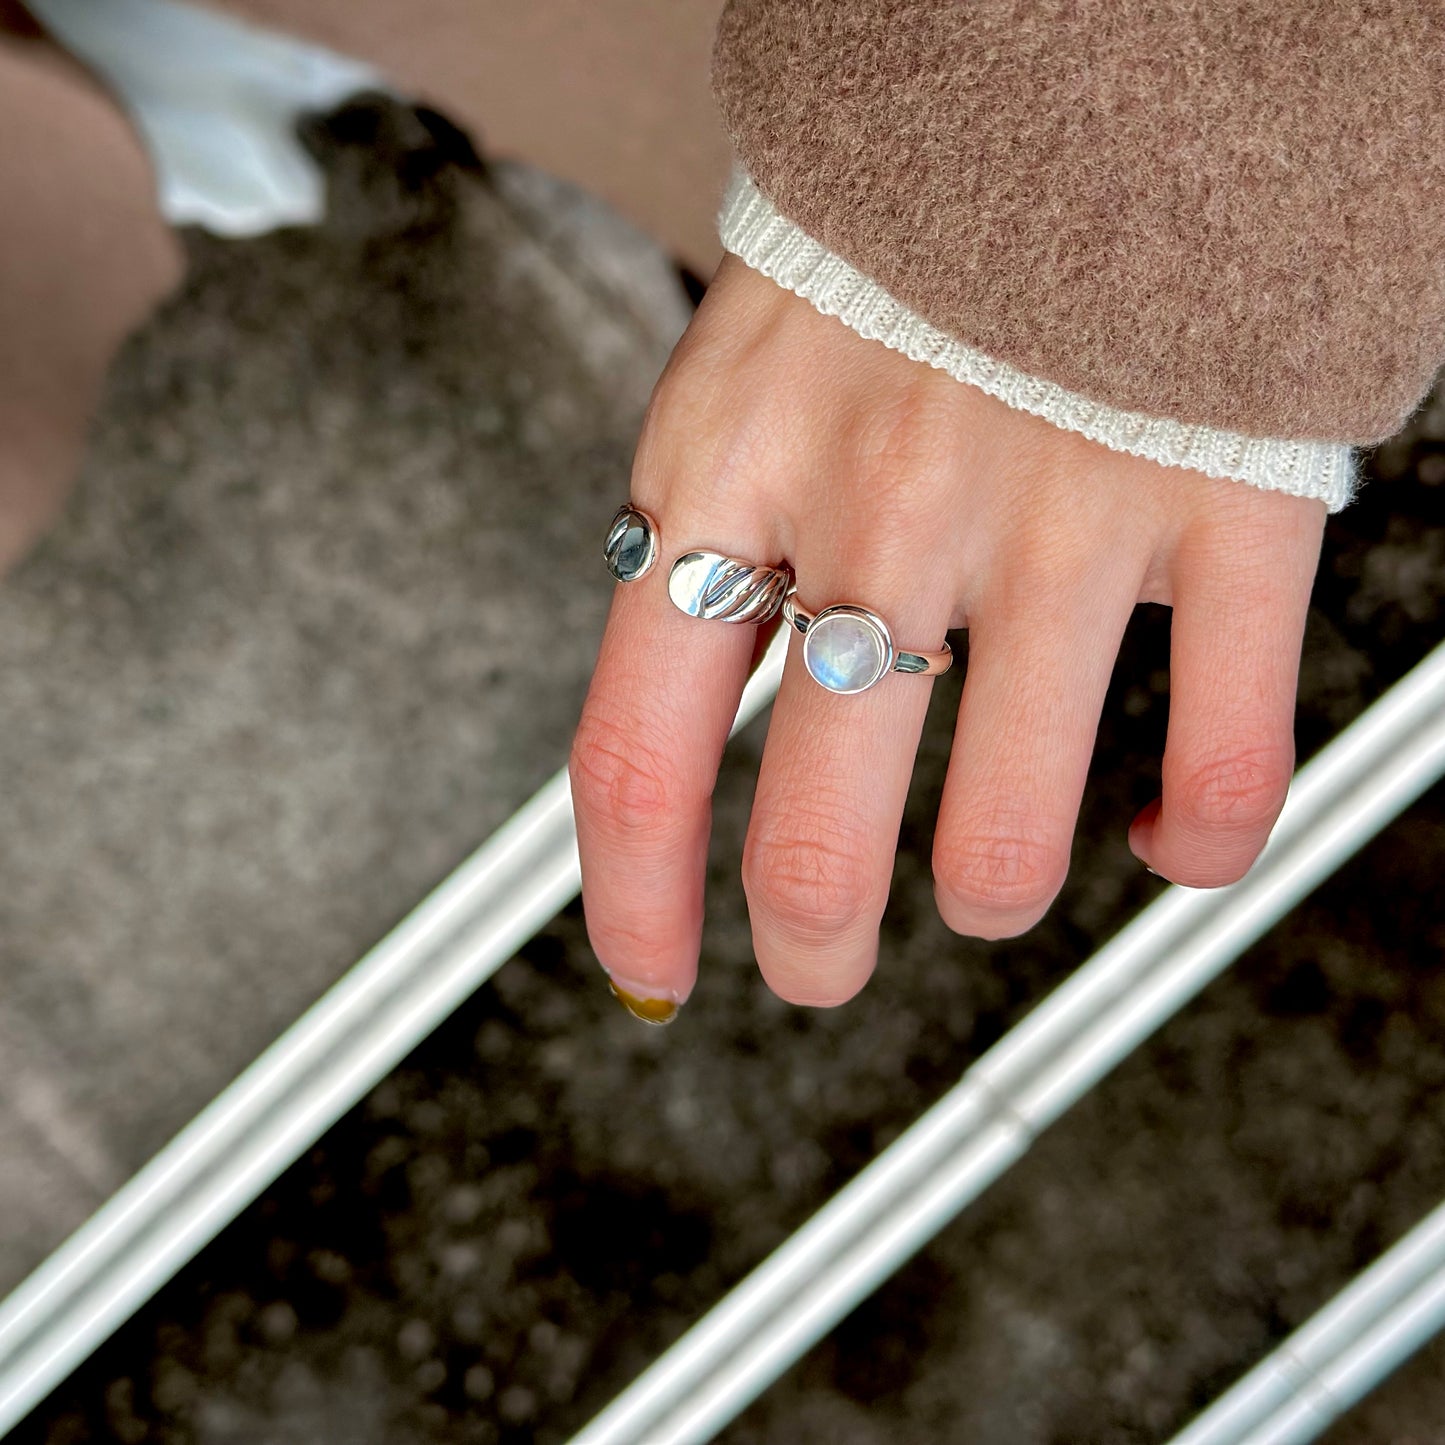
(874, 622)
(628, 517)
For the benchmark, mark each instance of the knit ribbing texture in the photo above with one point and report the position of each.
(752, 229)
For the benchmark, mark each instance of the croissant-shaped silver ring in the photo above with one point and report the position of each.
(727, 589)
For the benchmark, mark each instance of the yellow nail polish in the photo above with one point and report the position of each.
(649, 1010)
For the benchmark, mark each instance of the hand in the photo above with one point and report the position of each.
(777, 433)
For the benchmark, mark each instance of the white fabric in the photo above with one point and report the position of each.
(753, 230)
(216, 102)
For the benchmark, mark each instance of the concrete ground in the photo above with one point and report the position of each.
(319, 616)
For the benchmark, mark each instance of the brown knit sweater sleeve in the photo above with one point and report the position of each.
(1228, 213)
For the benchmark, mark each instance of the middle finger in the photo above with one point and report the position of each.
(1040, 653)
(832, 785)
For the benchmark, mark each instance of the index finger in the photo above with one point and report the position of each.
(643, 767)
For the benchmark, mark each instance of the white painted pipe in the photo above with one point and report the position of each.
(1339, 1355)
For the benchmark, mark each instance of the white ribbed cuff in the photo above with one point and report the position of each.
(753, 230)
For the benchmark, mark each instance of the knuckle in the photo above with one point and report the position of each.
(815, 884)
(1242, 789)
(1008, 874)
(902, 434)
(687, 412)
(1055, 567)
(617, 777)
(669, 426)
(704, 446)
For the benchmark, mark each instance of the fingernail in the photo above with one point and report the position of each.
(1155, 872)
(649, 1010)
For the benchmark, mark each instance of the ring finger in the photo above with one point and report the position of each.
(1040, 657)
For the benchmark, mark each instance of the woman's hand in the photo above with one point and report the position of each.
(777, 433)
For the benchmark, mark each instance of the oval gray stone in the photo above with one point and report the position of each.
(631, 546)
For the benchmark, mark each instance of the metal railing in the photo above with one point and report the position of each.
(1335, 1359)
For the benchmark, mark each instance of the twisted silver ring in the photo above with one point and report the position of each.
(848, 648)
(726, 589)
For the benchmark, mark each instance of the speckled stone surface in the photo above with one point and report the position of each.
(318, 618)
(548, 1192)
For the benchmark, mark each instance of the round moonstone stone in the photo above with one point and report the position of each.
(845, 651)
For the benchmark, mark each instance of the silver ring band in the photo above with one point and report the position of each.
(848, 648)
